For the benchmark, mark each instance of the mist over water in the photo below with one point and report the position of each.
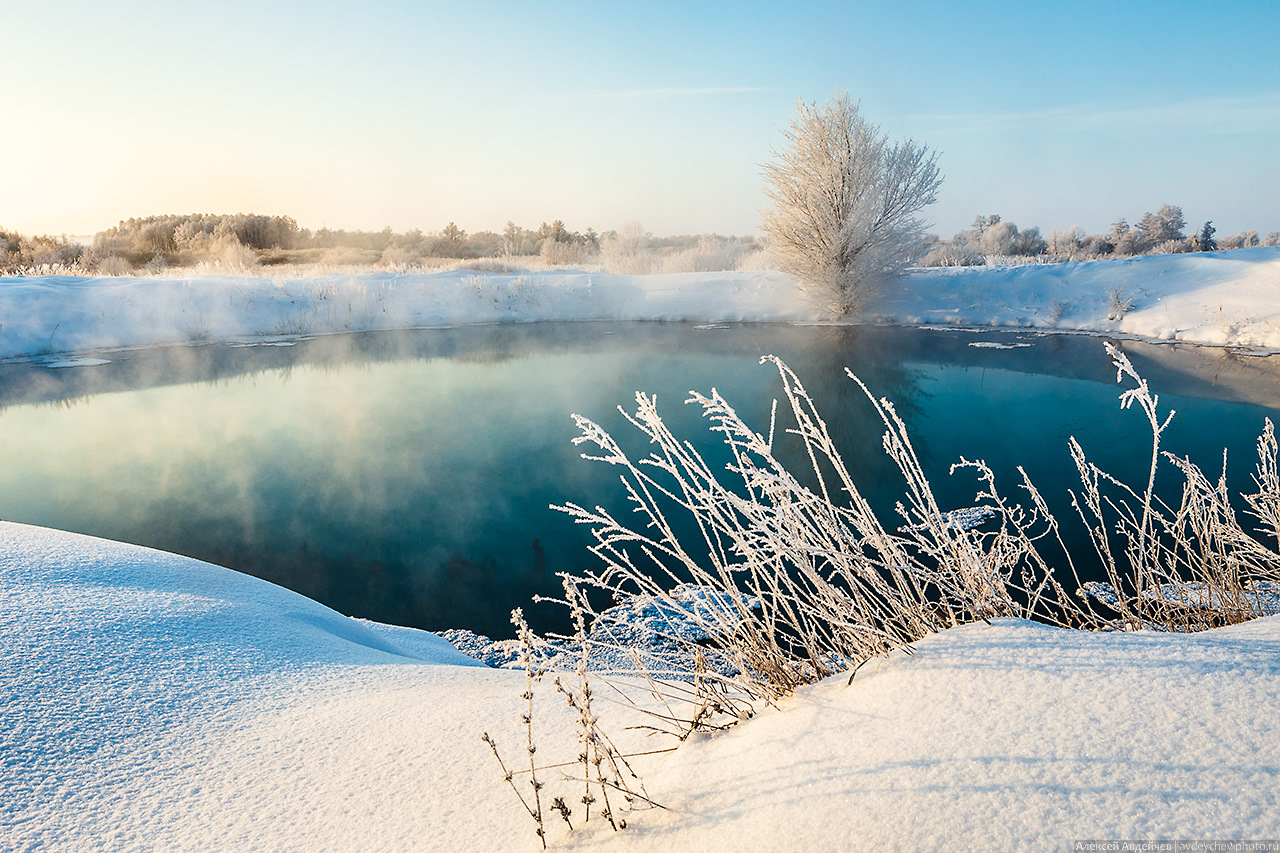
(407, 477)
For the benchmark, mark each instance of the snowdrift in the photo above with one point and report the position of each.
(1221, 298)
(153, 702)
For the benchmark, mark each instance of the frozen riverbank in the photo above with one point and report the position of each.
(1223, 298)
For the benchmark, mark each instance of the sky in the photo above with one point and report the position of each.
(415, 113)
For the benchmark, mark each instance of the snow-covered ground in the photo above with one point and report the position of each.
(1216, 298)
(1221, 298)
(153, 702)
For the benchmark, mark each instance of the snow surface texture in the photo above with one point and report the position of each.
(153, 702)
(1221, 298)
(1216, 298)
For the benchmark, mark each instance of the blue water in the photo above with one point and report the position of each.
(407, 477)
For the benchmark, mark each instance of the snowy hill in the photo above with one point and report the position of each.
(152, 702)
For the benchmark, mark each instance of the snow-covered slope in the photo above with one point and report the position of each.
(1218, 298)
(1013, 736)
(1214, 297)
(152, 702)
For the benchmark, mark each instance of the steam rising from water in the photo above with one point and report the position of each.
(406, 477)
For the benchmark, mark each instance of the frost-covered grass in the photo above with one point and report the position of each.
(800, 579)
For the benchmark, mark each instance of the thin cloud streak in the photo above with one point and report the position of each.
(1253, 114)
(667, 93)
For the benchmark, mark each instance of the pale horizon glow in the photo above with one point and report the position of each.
(413, 115)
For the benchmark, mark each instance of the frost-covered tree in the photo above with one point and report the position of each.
(451, 233)
(1203, 241)
(553, 231)
(1161, 227)
(1067, 243)
(626, 250)
(845, 201)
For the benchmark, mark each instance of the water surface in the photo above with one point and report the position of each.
(407, 477)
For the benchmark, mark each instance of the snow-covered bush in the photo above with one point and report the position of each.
(626, 250)
(756, 259)
(1243, 240)
(1118, 303)
(712, 254)
(951, 254)
(559, 253)
(113, 265)
(845, 202)
(1171, 247)
(227, 255)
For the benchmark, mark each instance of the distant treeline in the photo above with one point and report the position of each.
(244, 242)
(991, 239)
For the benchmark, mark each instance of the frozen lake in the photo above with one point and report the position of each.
(406, 477)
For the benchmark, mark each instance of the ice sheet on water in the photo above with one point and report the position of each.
(1259, 598)
(74, 361)
(642, 633)
(966, 518)
(997, 345)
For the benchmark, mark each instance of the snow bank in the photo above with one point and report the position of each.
(54, 314)
(1223, 298)
(1013, 736)
(149, 702)
(1215, 298)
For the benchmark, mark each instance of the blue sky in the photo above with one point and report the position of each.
(413, 114)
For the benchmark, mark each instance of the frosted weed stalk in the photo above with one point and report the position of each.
(532, 802)
(832, 586)
(604, 769)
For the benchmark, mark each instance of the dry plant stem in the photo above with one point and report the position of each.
(576, 600)
(1265, 503)
(531, 675)
(602, 762)
(508, 777)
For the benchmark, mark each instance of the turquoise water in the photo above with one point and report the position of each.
(407, 477)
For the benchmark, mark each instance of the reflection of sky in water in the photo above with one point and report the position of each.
(412, 490)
